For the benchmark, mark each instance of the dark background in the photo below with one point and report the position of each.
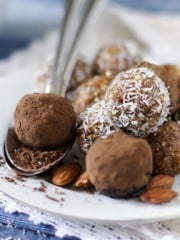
(22, 21)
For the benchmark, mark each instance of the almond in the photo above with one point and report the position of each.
(83, 181)
(66, 174)
(158, 195)
(161, 180)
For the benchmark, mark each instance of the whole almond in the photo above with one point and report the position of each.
(161, 180)
(158, 195)
(83, 181)
(66, 174)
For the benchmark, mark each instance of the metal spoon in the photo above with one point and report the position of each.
(80, 12)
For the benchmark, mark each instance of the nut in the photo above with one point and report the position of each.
(161, 180)
(158, 195)
(66, 174)
(83, 181)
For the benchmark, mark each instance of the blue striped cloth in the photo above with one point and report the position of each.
(17, 226)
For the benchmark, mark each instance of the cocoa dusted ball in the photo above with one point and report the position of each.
(170, 75)
(114, 58)
(92, 124)
(166, 149)
(89, 92)
(119, 165)
(138, 100)
(174, 72)
(44, 121)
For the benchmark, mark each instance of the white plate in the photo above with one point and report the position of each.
(18, 78)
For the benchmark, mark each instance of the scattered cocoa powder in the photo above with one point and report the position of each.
(57, 191)
(10, 180)
(61, 199)
(20, 178)
(42, 188)
(28, 158)
(51, 198)
(1, 161)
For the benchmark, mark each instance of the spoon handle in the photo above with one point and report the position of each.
(78, 17)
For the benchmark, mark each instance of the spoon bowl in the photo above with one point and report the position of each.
(12, 144)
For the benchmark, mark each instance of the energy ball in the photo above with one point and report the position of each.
(178, 75)
(81, 72)
(119, 165)
(138, 101)
(174, 71)
(166, 149)
(114, 58)
(92, 124)
(44, 121)
(170, 75)
(89, 92)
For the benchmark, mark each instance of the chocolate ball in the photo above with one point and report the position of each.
(119, 165)
(170, 75)
(92, 124)
(114, 58)
(166, 149)
(44, 121)
(138, 101)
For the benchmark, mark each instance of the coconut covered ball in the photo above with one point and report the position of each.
(170, 75)
(114, 58)
(138, 100)
(166, 149)
(44, 121)
(92, 124)
(119, 165)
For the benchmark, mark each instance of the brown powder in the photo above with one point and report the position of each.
(10, 180)
(51, 198)
(28, 158)
(1, 161)
(39, 189)
(42, 188)
(20, 178)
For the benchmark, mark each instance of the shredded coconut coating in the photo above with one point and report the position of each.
(138, 101)
(93, 123)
